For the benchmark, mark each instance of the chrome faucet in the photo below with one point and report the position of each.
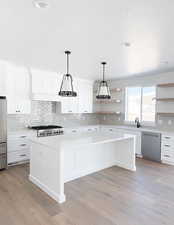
(137, 122)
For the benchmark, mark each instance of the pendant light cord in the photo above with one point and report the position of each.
(103, 63)
(67, 57)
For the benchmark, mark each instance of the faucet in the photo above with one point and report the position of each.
(137, 121)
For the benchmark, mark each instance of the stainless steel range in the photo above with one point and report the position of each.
(50, 130)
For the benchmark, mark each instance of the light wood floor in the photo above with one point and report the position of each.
(112, 196)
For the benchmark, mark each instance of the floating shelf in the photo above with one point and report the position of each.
(166, 85)
(109, 113)
(165, 114)
(165, 99)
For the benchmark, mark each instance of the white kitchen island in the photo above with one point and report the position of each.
(58, 159)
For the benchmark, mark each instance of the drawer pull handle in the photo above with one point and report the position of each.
(74, 131)
(110, 130)
(23, 145)
(167, 137)
(23, 136)
(168, 156)
(167, 145)
(89, 129)
(23, 155)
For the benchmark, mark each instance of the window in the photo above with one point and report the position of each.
(140, 103)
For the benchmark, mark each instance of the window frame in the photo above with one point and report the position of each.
(146, 123)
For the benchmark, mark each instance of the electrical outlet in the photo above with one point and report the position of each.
(119, 118)
(169, 122)
(104, 117)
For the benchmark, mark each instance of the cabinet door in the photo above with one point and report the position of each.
(18, 89)
(70, 104)
(45, 82)
(85, 97)
(2, 79)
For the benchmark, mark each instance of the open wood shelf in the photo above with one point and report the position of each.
(109, 113)
(166, 85)
(165, 99)
(165, 114)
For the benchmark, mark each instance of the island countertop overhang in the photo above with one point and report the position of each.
(70, 140)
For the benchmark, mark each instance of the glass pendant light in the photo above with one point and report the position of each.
(66, 89)
(103, 89)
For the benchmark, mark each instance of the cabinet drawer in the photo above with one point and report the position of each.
(167, 157)
(18, 156)
(167, 147)
(167, 138)
(16, 145)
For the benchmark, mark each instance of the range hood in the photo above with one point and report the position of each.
(46, 97)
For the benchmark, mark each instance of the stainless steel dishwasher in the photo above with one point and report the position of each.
(151, 146)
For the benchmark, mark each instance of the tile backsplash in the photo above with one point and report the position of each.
(43, 113)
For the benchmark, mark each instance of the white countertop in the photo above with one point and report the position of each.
(141, 129)
(76, 140)
(126, 127)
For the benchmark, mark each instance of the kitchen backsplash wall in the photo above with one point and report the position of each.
(43, 113)
(162, 122)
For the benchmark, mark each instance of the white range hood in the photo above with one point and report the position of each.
(46, 97)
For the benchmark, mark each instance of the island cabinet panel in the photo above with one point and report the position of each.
(81, 161)
(57, 160)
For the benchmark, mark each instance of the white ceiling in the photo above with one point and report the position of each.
(94, 30)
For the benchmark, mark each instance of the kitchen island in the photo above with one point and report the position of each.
(58, 159)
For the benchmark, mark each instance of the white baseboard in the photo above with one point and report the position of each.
(60, 198)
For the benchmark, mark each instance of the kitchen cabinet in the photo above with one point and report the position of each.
(18, 89)
(69, 104)
(167, 149)
(2, 79)
(45, 85)
(18, 148)
(85, 89)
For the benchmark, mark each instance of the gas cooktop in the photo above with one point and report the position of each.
(45, 127)
(48, 130)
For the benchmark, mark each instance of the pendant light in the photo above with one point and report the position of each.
(103, 89)
(66, 89)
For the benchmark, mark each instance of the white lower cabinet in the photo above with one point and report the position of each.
(167, 149)
(18, 148)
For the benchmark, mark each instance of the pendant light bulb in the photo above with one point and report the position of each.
(66, 89)
(103, 89)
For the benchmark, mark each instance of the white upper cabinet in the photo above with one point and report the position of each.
(83, 103)
(18, 89)
(85, 95)
(70, 104)
(45, 85)
(2, 79)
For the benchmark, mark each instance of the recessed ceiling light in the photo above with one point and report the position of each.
(41, 4)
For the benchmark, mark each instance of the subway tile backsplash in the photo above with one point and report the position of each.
(43, 113)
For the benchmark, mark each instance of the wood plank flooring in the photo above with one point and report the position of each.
(110, 197)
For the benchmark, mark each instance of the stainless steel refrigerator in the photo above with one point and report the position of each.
(3, 132)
